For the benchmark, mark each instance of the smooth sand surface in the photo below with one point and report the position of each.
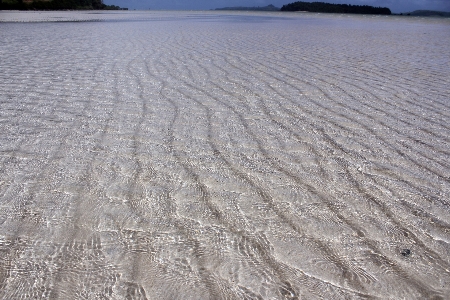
(207, 155)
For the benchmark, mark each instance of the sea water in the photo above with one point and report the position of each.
(224, 155)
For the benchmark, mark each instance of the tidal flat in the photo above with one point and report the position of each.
(224, 155)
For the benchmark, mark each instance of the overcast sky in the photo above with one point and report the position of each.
(396, 6)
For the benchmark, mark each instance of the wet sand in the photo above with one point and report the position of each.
(207, 155)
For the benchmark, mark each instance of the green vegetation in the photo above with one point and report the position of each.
(269, 7)
(335, 8)
(55, 5)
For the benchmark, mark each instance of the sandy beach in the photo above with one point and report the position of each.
(224, 155)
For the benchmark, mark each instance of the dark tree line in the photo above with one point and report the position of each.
(335, 8)
(55, 5)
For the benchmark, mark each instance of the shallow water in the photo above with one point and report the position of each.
(206, 155)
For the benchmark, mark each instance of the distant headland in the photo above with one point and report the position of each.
(335, 8)
(317, 7)
(56, 5)
(428, 13)
(269, 7)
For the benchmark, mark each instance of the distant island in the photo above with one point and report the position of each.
(269, 7)
(335, 8)
(428, 13)
(56, 5)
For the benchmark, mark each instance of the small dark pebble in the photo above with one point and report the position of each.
(406, 252)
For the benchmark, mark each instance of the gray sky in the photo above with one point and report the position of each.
(396, 6)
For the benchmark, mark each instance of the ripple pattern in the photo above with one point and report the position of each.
(207, 155)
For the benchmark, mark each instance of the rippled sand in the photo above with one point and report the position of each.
(206, 155)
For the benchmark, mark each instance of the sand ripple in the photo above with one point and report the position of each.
(203, 155)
